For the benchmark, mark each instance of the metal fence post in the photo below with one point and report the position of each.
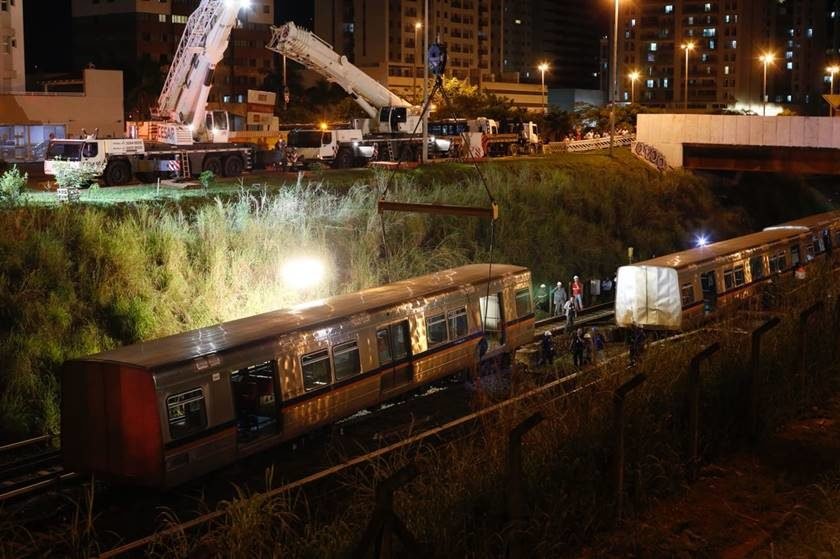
(384, 522)
(836, 326)
(516, 490)
(619, 397)
(694, 408)
(803, 321)
(755, 376)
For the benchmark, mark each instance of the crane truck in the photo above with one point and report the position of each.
(391, 120)
(385, 135)
(183, 138)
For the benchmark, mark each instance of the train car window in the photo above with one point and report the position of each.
(457, 323)
(383, 346)
(316, 370)
(523, 302)
(186, 413)
(346, 360)
(687, 294)
(709, 286)
(794, 255)
(392, 343)
(777, 263)
(810, 252)
(400, 344)
(436, 329)
(757, 267)
(733, 277)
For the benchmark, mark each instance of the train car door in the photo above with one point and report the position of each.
(492, 320)
(255, 401)
(709, 286)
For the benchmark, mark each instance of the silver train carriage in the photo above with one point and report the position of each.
(675, 291)
(161, 412)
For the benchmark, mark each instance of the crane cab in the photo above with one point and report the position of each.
(217, 124)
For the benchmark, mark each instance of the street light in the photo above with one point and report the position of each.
(831, 71)
(687, 47)
(614, 77)
(766, 58)
(634, 77)
(543, 67)
(417, 27)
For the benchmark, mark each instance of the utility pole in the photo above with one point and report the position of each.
(425, 123)
(614, 78)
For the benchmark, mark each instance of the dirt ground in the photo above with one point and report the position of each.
(782, 500)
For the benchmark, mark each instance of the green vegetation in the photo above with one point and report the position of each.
(12, 185)
(74, 281)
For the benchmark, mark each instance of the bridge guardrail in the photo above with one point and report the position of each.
(594, 144)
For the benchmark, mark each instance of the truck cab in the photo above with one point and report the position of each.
(110, 156)
(339, 148)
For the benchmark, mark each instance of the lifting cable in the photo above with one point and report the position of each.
(437, 64)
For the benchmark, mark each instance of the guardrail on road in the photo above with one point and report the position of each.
(588, 145)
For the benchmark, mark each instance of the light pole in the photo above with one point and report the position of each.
(417, 27)
(831, 71)
(542, 68)
(614, 78)
(634, 77)
(687, 47)
(425, 123)
(766, 58)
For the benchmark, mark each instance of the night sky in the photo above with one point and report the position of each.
(48, 33)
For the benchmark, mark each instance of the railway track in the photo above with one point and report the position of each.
(34, 469)
(597, 314)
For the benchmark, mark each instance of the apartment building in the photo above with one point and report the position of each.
(727, 39)
(385, 37)
(12, 70)
(141, 36)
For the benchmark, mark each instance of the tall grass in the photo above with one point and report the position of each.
(77, 280)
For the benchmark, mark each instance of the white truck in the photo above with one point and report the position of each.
(339, 148)
(184, 139)
(486, 137)
(391, 120)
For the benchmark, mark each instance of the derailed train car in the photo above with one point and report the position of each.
(681, 289)
(161, 412)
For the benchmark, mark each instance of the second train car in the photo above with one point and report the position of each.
(680, 289)
(161, 412)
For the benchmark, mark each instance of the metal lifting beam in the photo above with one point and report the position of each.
(463, 211)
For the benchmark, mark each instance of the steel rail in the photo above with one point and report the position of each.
(27, 442)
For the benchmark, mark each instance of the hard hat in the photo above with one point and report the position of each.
(576, 277)
(547, 333)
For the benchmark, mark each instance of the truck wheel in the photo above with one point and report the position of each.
(213, 164)
(117, 173)
(512, 150)
(233, 166)
(343, 159)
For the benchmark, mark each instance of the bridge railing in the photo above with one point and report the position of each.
(594, 144)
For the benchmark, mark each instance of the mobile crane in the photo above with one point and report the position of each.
(183, 138)
(392, 120)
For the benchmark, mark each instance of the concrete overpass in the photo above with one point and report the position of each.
(785, 144)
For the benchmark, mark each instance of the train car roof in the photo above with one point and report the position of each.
(730, 247)
(186, 346)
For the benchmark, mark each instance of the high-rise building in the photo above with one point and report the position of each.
(141, 37)
(727, 37)
(564, 34)
(12, 69)
(385, 37)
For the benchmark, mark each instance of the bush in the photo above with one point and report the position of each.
(12, 185)
(205, 178)
(70, 174)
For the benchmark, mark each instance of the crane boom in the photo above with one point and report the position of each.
(183, 99)
(316, 54)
